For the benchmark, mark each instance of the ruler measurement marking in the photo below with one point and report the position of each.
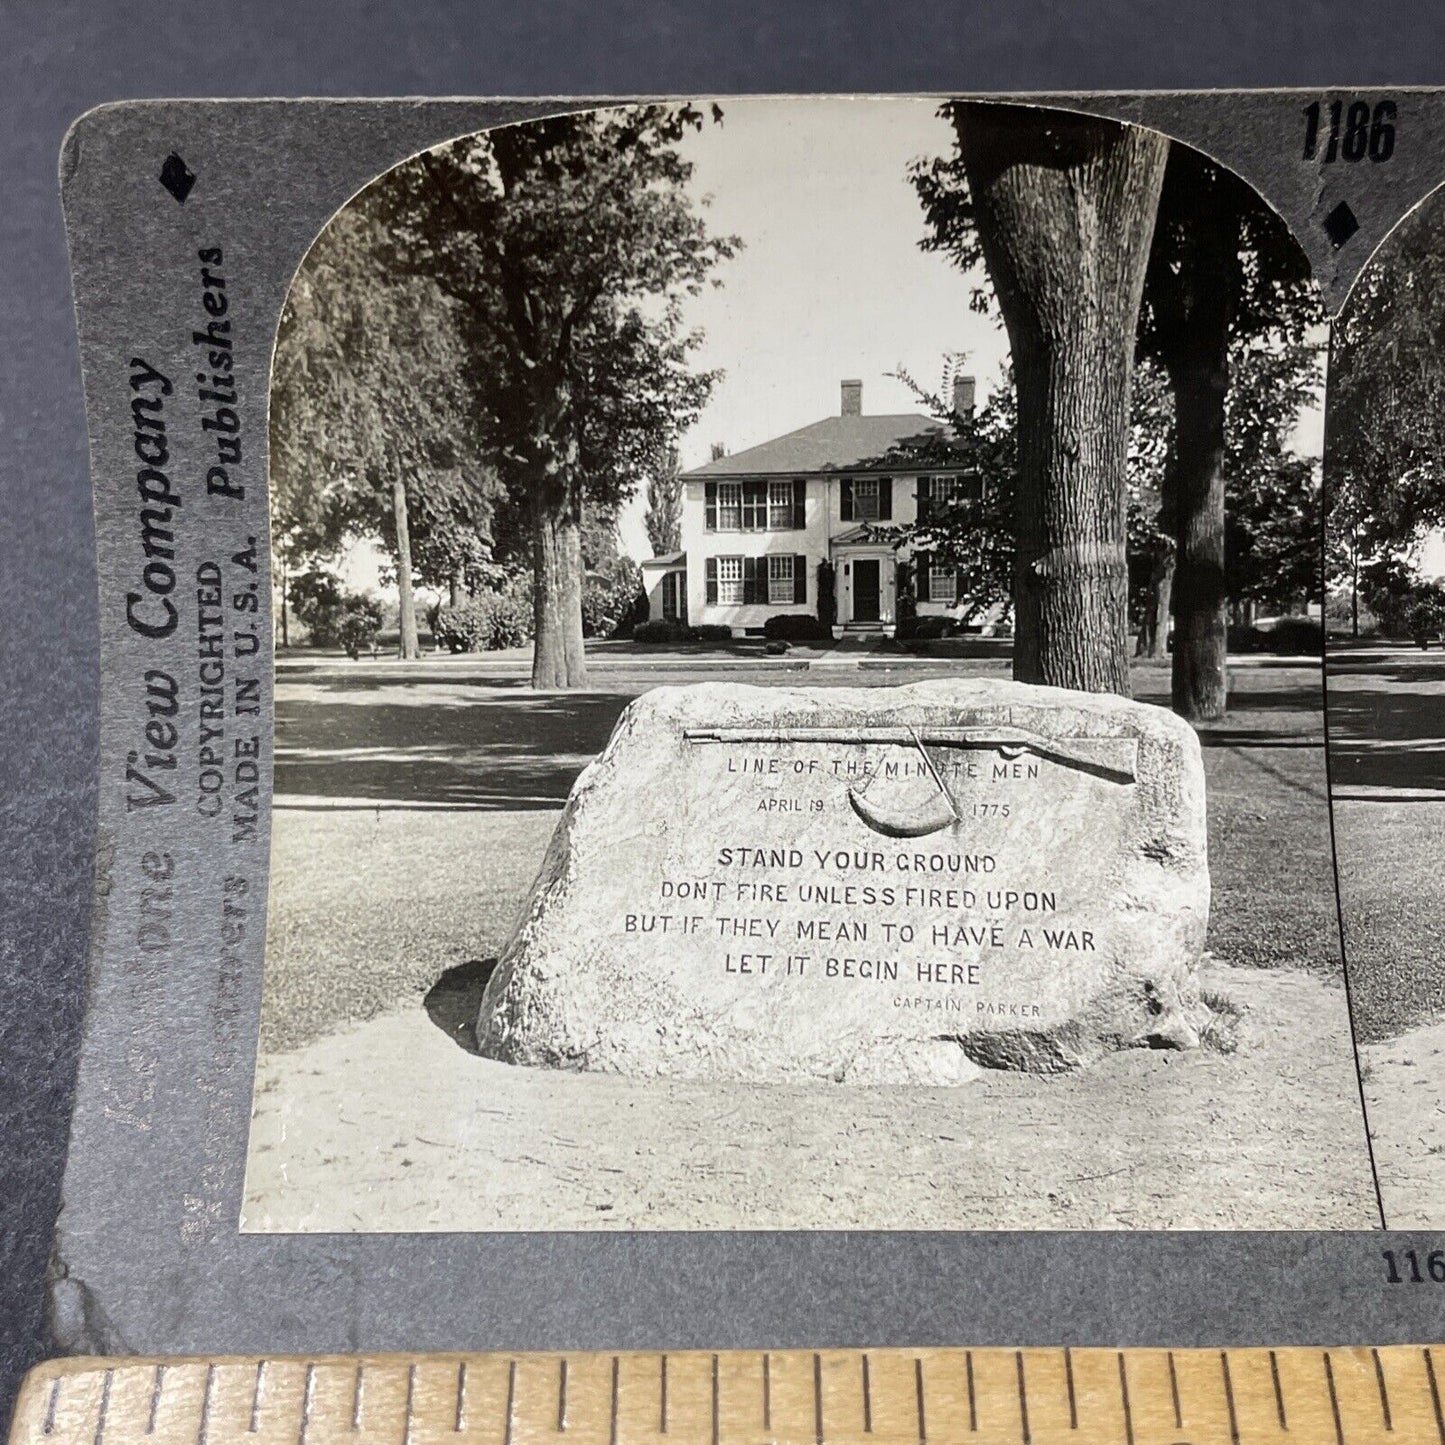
(1124, 1396)
(612, 1427)
(1434, 1393)
(1384, 1393)
(322, 1411)
(1334, 1399)
(105, 1403)
(818, 1398)
(715, 1393)
(257, 1389)
(1278, 1392)
(155, 1399)
(203, 1430)
(1023, 1396)
(1229, 1396)
(307, 1395)
(918, 1392)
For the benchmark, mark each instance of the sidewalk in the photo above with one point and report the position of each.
(856, 652)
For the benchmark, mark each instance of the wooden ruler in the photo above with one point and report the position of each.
(1389, 1396)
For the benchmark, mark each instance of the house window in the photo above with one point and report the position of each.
(780, 506)
(729, 506)
(755, 507)
(780, 580)
(865, 499)
(729, 580)
(937, 494)
(942, 584)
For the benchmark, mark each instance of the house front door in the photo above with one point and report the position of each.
(866, 590)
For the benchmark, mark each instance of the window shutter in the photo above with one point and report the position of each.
(711, 490)
(924, 497)
(800, 504)
(885, 499)
(800, 577)
(750, 579)
(923, 572)
(711, 575)
(958, 586)
(845, 500)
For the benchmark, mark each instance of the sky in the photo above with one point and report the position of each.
(830, 282)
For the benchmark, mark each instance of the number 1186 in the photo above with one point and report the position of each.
(1350, 134)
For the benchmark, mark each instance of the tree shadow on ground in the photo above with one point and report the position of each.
(1387, 728)
(454, 1000)
(366, 742)
(441, 747)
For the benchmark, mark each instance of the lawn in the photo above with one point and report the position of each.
(1387, 745)
(413, 806)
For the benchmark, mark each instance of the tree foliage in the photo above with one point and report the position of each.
(664, 505)
(568, 247)
(1385, 422)
(367, 388)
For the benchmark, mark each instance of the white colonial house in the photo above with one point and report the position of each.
(756, 526)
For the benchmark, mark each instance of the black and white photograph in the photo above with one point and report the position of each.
(798, 685)
(1385, 484)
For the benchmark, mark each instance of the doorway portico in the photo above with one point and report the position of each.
(866, 580)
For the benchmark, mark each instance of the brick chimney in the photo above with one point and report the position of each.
(852, 398)
(963, 395)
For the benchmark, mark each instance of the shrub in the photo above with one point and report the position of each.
(609, 600)
(357, 624)
(486, 623)
(1425, 618)
(926, 629)
(1295, 637)
(796, 627)
(711, 632)
(1244, 638)
(661, 631)
(827, 595)
(334, 616)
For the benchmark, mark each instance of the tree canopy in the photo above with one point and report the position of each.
(568, 246)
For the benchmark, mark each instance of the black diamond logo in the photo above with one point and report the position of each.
(1340, 225)
(177, 178)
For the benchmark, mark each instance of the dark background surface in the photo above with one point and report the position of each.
(57, 59)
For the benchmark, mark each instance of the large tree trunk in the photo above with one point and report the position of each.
(558, 660)
(1064, 206)
(1194, 286)
(1154, 630)
(408, 647)
(1194, 487)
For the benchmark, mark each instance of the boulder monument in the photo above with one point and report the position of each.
(867, 885)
